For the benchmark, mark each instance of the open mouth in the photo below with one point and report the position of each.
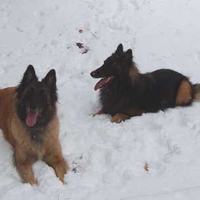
(104, 81)
(31, 117)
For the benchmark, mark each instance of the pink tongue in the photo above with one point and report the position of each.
(102, 82)
(31, 118)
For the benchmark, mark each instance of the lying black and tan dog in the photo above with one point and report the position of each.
(30, 124)
(124, 92)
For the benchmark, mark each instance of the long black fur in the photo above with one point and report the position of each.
(148, 92)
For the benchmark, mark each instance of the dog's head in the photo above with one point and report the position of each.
(36, 99)
(115, 66)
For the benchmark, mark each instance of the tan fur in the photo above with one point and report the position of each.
(197, 92)
(26, 150)
(119, 117)
(184, 94)
(134, 73)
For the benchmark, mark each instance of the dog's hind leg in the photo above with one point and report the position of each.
(184, 93)
(197, 92)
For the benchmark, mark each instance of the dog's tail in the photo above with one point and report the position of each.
(197, 92)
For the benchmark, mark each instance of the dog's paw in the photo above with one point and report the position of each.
(100, 112)
(119, 117)
(33, 182)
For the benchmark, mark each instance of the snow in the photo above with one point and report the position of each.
(109, 158)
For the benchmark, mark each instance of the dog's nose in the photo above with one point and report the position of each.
(93, 74)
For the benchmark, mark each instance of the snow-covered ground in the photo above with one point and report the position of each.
(109, 158)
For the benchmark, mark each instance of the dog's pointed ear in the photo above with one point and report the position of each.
(50, 78)
(119, 49)
(128, 55)
(29, 75)
(50, 81)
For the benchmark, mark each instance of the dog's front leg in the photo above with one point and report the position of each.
(55, 159)
(127, 114)
(24, 168)
(119, 117)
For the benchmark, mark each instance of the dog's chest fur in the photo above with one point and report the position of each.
(35, 142)
(115, 97)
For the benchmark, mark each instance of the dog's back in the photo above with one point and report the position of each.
(161, 89)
